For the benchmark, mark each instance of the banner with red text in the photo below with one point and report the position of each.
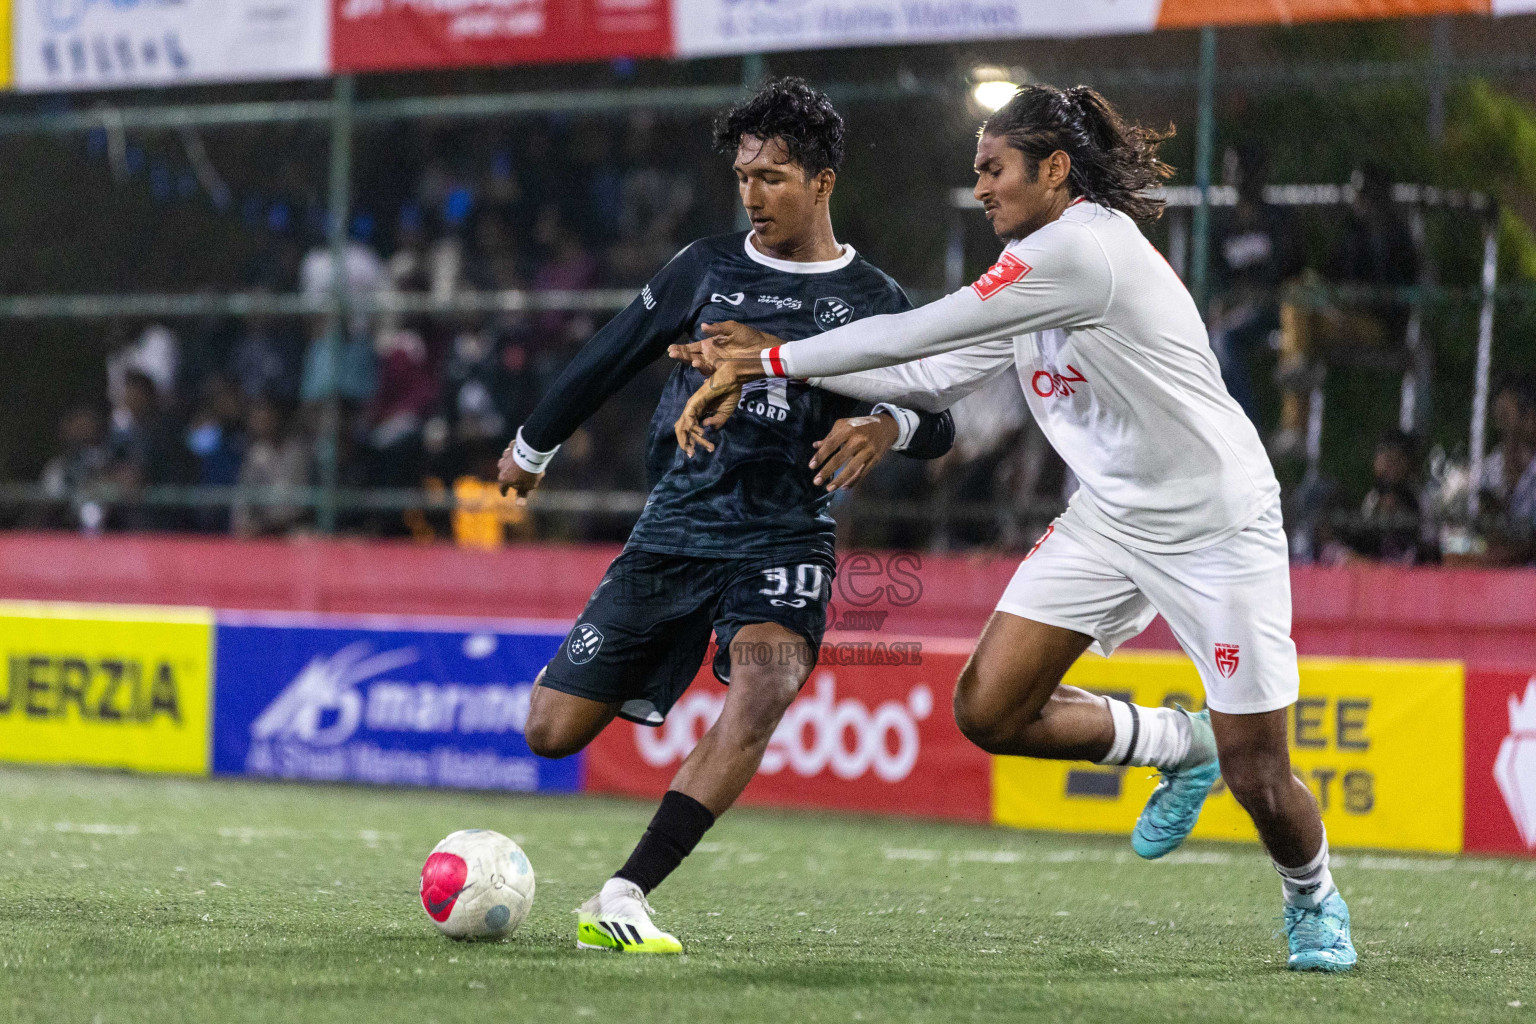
(864, 735)
(386, 35)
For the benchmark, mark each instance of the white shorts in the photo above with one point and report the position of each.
(1229, 604)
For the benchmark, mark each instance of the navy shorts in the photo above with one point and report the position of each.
(646, 628)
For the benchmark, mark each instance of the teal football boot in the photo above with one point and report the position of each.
(1174, 806)
(1319, 936)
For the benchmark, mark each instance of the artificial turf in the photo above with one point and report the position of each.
(130, 898)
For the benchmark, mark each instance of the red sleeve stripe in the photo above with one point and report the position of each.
(776, 363)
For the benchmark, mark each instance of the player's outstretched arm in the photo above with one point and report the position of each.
(614, 355)
(932, 384)
(1060, 277)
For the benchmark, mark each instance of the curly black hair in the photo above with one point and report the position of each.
(789, 110)
(1114, 162)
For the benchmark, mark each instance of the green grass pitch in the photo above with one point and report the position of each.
(144, 899)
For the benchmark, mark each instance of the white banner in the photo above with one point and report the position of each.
(109, 44)
(744, 26)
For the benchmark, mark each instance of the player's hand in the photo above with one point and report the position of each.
(692, 353)
(708, 409)
(513, 477)
(853, 445)
(735, 345)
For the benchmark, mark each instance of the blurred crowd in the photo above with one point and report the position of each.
(428, 401)
(423, 400)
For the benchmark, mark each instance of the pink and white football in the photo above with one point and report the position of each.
(477, 884)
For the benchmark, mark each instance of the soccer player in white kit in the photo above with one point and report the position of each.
(1178, 510)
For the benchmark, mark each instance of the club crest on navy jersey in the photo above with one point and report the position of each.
(831, 312)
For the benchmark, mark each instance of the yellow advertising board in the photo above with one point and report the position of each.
(7, 35)
(110, 685)
(1378, 742)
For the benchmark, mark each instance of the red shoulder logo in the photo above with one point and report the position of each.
(1004, 272)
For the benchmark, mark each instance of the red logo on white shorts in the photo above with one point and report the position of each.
(1004, 272)
(1226, 659)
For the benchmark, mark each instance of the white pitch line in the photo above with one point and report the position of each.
(95, 829)
(1346, 861)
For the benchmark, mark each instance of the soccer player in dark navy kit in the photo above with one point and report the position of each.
(736, 537)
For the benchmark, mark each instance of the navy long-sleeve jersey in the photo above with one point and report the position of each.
(753, 495)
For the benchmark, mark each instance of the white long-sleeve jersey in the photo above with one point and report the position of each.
(1114, 362)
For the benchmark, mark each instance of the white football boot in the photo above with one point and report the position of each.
(618, 919)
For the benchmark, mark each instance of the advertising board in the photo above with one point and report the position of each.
(1501, 762)
(870, 737)
(109, 44)
(1378, 742)
(393, 704)
(108, 685)
(381, 35)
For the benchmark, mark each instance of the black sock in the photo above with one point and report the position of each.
(679, 824)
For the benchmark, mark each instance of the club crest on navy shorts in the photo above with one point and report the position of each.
(584, 644)
(831, 312)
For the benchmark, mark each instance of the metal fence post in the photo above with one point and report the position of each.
(1484, 364)
(329, 453)
(1205, 130)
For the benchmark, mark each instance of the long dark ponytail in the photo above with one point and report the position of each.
(1114, 163)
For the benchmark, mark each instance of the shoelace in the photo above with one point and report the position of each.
(1310, 929)
(636, 894)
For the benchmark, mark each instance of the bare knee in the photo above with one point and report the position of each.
(1260, 784)
(547, 737)
(760, 694)
(559, 724)
(990, 724)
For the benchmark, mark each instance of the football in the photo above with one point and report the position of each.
(477, 884)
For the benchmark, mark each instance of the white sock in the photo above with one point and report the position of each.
(617, 887)
(1310, 884)
(1153, 737)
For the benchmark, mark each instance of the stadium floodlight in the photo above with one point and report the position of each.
(993, 87)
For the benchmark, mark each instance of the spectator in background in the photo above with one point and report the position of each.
(79, 462)
(213, 432)
(406, 397)
(564, 265)
(1376, 251)
(409, 260)
(1514, 402)
(264, 359)
(1389, 529)
(339, 359)
(476, 390)
(363, 272)
(1256, 250)
(146, 449)
(275, 457)
(1509, 475)
(1314, 540)
(154, 354)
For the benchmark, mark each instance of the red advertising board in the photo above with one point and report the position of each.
(1501, 762)
(874, 738)
(391, 35)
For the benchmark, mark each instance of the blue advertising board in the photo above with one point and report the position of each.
(354, 701)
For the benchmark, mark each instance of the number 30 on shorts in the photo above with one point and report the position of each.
(808, 578)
